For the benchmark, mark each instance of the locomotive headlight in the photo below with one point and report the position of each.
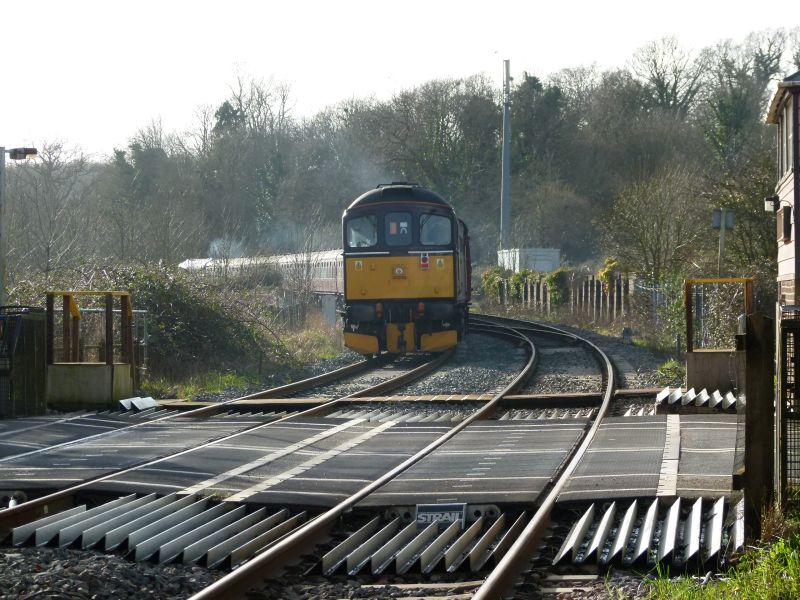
(399, 271)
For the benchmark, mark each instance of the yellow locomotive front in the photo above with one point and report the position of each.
(406, 272)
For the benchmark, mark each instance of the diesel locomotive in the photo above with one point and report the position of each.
(407, 272)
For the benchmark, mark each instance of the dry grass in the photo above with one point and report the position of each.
(318, 340)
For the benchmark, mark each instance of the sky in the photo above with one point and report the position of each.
(91, 73)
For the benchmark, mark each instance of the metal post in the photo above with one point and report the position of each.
(75, 351)
(127, 331)
(505, 193)
(755, 475)
(687, 298)
(109, 329)
(50, 329)
(66, 329)
(15, 154)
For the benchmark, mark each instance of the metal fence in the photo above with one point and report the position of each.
(788, 407)
(590, 296)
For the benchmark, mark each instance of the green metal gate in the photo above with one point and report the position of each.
(22, 362)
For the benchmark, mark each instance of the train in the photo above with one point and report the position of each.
(402, 279)
(407, 271)
(322, 270)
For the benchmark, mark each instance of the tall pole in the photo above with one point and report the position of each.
(2, 224)
(505, 191)
(14, 154)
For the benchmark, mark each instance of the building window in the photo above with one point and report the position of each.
(786, 137)
(790, 125)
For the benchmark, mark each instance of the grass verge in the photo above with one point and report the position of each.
(190, 387)
(770, 572)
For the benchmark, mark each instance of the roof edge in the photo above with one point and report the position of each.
(784, 87)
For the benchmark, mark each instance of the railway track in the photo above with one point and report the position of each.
(503, 459)
(501, 580)
(28, 437)
(65, 498)
(318, 530)
(18, 465)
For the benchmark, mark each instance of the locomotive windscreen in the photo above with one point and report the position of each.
(362, 232)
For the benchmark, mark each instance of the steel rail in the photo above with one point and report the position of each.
(303, 539)
(206, 411)
(527, 327)
(33, 509)
(501, 580)
(311, 382)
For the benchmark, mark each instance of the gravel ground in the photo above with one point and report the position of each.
(53, 573)
(27, 573)
(481, 364)
(565, 369)
(636, 366)
(346, 358)
(371, 378)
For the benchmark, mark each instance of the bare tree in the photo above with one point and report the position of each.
(655, 225)
(299, 272)
(263, 105)
(794, 48)
(201, 137)
(48, 208)
(578, 85)
(671, 74)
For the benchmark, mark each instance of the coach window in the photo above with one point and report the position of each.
(398, 228)
(434, 230)
(362, 232)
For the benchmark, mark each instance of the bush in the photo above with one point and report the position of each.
(672, 372)
(517, 283)
(194, 326)
(193, 323)
(558, 285)
(492, 282)
(606, 274)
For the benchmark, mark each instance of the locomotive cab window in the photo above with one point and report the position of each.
(398, 229)
(362, 232)
(435, 230)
